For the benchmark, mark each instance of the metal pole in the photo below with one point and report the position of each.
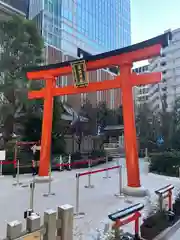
(77, 213)
(146, 152)
(69, 161)
(50, 193)
(117, 163)
(60, 162)
(17, 175)
(120, 192)
(89, 175)
(106, 172)
(15, 158)
(1, 162)
(77, 194)
(32, 188)
(49, 185)
(18, 172)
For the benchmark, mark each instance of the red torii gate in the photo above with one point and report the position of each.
(123, 58)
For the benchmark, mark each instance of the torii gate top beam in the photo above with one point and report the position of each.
(137, 52)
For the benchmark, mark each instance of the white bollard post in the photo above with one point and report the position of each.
(120, 184)
(17, 183)
(89, 175)
(50, 193)
(14, 230)
(77, 213)
(60, 162)
(106, 172)
(69, 161)
(65, 222)
(33, 223)
(50, 225)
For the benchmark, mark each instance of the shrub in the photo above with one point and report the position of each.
(97, 153)
(166, 163)
(76, 156)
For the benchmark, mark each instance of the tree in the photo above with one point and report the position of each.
(175, 125)
(147, 125)
(21, 47)
(77, 129)
(58, 142)
(102, 114)
(90, 112)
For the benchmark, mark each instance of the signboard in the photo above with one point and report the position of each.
(160, 140)
(33, 236)
(2, 155)
(79, 74)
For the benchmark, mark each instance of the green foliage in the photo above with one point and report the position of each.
(32, 129)
(21, 46)
(90, 113)
(98, 153)
(58, 142)
(165, 163)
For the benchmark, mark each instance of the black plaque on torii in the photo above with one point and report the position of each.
(79, 73)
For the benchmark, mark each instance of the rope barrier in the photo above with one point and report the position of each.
(97, 171)
(7, 162)
(25, 143)
(78, 162)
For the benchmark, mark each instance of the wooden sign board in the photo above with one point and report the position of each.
(79, 74)
(33, 236)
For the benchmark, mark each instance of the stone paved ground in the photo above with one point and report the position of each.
(96, 202)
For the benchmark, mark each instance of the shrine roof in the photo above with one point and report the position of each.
(161, 39)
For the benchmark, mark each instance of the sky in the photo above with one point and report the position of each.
(150, 18)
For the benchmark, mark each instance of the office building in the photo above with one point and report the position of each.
(141, 93)
(169, 65)
(94, 26)
(10, 7)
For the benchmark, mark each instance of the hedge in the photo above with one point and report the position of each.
(165, 163)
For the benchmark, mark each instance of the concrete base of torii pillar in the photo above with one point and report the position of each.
(135, 191)
(40, 179)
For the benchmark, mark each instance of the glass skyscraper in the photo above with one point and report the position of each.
(94, 26)
(101, 24)
(21, 5)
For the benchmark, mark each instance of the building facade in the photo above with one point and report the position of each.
(141, 93)
(169, 65)
(9, 7)
(94, 26)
